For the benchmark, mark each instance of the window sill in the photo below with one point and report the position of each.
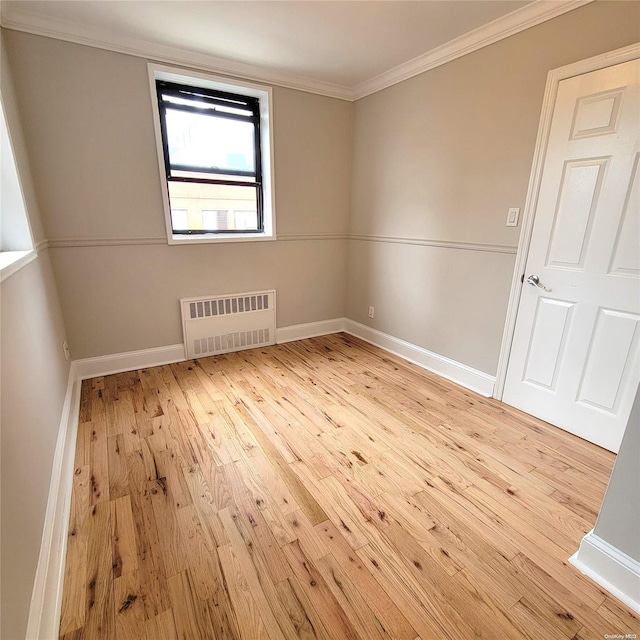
(12, 261)
(211, 238)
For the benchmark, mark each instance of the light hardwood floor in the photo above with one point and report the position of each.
(325, 489)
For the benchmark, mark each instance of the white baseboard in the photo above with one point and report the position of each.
(128, 361)
(309, 330)
(46, 601)
(154, 357)
(457, 372)
(613, 570)
(46, 597)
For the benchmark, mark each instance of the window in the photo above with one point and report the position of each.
(16, 244)
(215, 157)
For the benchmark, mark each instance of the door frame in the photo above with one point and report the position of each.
(554, 77)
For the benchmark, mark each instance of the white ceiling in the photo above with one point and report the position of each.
(345, 44)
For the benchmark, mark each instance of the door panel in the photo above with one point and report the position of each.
(548, 338)
(626, 257)
(579, 197)
(574, 359)
(614, 345)
(596, 114)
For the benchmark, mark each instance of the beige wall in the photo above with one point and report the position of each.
(619, 519)
(442, 156)
(416, 294)
(88, 123)
(33, 381)
(124, 298)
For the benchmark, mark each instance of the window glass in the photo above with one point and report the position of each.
(15, 234)
(180, 218)
(245, 219)
(195, 207)
(217, 219)
(206, 142)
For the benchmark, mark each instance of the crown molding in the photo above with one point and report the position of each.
(100, 38)
(528, 16)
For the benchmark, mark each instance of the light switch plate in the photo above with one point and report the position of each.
(512, 217)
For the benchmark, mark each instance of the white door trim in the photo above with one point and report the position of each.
(553, 80)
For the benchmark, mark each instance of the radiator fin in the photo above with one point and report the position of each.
(226, 306)
(236, 341)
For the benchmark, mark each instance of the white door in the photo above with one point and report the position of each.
(575, 359)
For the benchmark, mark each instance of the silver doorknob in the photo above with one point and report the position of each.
(534, 281)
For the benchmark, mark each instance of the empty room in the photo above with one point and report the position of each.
(320, 319)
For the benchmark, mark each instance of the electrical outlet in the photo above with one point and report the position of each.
(512, 217)
(65, 348)
(371, 311)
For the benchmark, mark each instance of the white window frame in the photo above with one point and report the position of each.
(210, 81)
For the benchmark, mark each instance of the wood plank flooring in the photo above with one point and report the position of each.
(325, 489)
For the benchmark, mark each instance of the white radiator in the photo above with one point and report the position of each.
(233, 322)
